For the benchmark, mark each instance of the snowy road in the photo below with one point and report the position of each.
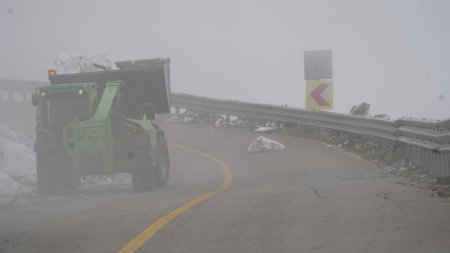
(307, 198)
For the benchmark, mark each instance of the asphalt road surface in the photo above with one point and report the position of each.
(308, 198)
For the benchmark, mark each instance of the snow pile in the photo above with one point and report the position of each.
(173, 119)
(189, 116)
(114, 179)
(268, 127)
(239, 122)
(265, 129)
(76, 63)
(220, 122)
(17, 163)
(382, 116)
(262, 144)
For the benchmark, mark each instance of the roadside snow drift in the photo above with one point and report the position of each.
(262, 144)
(17, 162)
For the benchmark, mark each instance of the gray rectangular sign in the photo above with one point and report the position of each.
(318, 65)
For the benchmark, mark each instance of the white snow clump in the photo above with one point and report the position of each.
(262, 144)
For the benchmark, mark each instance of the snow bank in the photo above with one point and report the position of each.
(17, 163)
(76, 63)
(262, 144)
(269, 126)
(265, 129)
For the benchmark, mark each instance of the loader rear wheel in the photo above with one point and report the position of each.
(54, 173)
(142, 173)
(162, 168)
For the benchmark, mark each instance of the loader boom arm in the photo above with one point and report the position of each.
(109, 97)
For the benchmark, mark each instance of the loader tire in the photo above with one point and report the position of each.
(55, 175)
(162, 167)
(142, 172)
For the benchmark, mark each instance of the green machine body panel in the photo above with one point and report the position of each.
(90, 142)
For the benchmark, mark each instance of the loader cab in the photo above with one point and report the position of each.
(59, 105)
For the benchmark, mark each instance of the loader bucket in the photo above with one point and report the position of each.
(145, 82)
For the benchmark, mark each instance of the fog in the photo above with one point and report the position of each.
(391, 54)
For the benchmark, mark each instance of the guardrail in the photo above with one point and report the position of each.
(427, 141)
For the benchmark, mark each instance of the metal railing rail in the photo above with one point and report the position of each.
(435, 134)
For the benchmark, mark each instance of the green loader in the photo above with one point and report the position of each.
(101, 123)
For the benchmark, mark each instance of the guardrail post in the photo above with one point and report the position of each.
(416, 155)
(447, 164)
(408, 153)
(434, 163)
(424, 159)
(442, 166)
(437, 166)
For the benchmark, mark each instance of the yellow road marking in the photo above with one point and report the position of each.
(151, 230)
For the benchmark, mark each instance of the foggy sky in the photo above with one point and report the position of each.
(391, 54)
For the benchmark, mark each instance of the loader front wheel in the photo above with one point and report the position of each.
(162, 167)
(142, 172)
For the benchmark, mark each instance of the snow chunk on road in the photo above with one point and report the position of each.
(262, 144)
